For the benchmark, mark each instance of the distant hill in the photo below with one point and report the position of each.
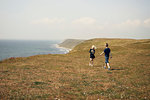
(70, 43)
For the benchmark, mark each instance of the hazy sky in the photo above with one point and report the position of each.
(61, 19)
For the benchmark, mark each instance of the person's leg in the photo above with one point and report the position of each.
(105, 62)
(108, 66)
(105, 65)
(92, 62)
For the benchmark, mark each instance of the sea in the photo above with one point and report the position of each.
(25, 48)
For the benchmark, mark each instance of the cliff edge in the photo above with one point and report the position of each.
(70, 43)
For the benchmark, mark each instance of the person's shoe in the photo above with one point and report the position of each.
(109, 69)
(104, 67)
(91, 65)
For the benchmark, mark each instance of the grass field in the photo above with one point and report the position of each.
(68, 76)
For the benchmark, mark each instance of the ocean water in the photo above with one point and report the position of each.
(25, 48)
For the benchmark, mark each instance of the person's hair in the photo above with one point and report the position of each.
(93, 46)
(106, 44)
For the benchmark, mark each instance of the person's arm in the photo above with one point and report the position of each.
(110, 55)
(90, 51)
(102, 53)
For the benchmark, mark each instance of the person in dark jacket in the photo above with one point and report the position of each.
(107, 52)
(92, 56)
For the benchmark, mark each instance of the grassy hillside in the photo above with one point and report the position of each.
(68, 76)
(70, 43)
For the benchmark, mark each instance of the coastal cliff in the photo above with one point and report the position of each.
(70, 43)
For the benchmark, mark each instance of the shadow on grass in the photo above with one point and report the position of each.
(100, 66)
(116, 69)
(3, 71)
(106, 68)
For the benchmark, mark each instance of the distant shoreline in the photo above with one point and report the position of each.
(18, 48)
(67, 49)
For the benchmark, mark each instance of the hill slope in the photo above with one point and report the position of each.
(68, 76)
(70, 43)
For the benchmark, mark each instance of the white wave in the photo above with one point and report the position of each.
(67, 50)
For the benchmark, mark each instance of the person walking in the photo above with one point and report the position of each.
(107, 52)
(92, 56)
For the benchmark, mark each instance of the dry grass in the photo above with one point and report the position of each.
(68, 76)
